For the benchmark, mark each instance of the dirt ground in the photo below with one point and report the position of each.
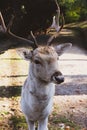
(71, 96)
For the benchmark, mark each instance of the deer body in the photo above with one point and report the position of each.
(36, 99)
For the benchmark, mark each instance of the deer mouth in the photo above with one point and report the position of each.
(57, 78)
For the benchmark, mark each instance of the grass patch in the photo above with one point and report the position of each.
(55, 123)
(55, 120)
(18, 122)
(4, 113)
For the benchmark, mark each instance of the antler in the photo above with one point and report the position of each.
(9, 40)
(2, 27)
(35, 41)
(10, 24)
(55, 25)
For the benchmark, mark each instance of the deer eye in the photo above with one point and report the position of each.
(37, 62)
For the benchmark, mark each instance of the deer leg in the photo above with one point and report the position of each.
(31, 125)
(43, 124)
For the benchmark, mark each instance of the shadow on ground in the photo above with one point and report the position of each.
(74, 87)
(10, 91)
(77, 86)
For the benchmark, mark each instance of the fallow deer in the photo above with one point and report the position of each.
(39, 87)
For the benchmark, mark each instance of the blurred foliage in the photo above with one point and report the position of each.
(37, 15)
(29, 15)
(74, 10)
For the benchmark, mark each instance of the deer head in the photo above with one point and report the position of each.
(44, 59)
(44, 62)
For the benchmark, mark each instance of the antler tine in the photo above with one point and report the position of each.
(58, 8)
(55, 34)
(10, 24)
(2, 23)
(58, 28)
(58, 15)
(35, 41)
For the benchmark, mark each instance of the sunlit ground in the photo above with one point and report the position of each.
(80, 24)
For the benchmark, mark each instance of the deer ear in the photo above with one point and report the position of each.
(26, 54)
(60, 49)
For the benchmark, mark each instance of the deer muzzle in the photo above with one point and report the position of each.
(57, 77)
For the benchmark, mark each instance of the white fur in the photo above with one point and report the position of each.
(37, 100)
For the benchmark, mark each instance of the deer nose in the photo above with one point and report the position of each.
(57, 77)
